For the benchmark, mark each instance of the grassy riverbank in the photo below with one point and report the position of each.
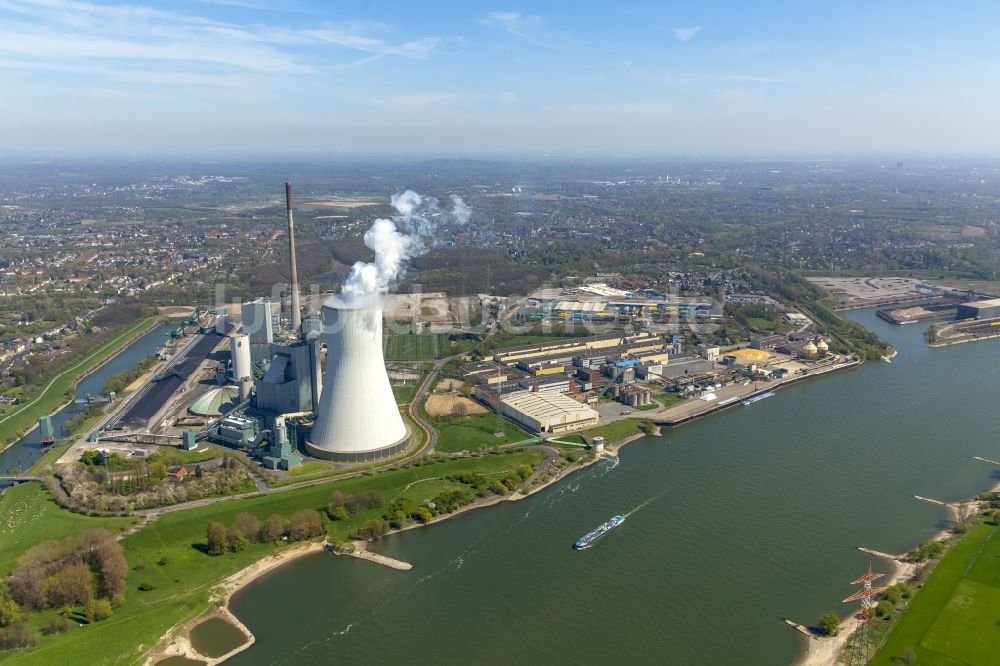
(953, 618)
(50, 397)
(169, 555)
(29, 516)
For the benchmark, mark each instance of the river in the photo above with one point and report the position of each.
(738, 520)
(28, 449)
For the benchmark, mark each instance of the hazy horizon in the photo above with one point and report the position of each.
(644, 79)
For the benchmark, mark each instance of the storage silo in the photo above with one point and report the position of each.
(357, 418)
(239, 350)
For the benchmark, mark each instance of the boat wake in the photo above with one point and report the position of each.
(647, 502)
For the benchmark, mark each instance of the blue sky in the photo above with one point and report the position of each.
(636, 78)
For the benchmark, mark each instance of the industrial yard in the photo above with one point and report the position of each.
(296, 389)
(867, 292)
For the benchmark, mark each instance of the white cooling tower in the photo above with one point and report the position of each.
(356, 418)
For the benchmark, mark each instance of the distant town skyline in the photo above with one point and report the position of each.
(636, 78)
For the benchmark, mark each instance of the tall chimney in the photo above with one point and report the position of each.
(296, 313)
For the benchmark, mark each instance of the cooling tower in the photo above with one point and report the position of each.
(357, 418)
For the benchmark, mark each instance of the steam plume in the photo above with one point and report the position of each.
(410, 233)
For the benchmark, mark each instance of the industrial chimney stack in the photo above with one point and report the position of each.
(296, 312)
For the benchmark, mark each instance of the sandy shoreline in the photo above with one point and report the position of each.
(824, 650)
(177, 643)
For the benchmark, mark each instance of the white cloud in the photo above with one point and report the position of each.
(526, 27)
(686, 34)
(74, 32)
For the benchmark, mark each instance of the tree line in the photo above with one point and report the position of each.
(247, 529)
(404, 511)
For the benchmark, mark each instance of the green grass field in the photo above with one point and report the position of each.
(761, 323)
(670, 399)
(29, 516)
(404, 394)
(468, 433)
(309, 467)
(422, 347)
(53, 393)
(182, 585)
(955, 617)
(615, 431)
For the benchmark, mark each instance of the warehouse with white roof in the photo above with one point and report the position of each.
(547, 412)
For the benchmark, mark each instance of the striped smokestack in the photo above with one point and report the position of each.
(296, 313)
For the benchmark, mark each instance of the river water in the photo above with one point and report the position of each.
(737, 520)
(28, 449)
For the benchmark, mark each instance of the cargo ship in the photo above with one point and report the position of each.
(757, 398)
(591, 538)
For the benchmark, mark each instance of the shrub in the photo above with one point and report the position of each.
(306, 524)
(274, 527)
(397, 519)
(56, 624)
(236, 540)
(102, 609)
(217, 542)
(10, 612)
(372, 528)
(928, 550)
(16, 636)
(423, 514)
(829, 623)
(146, 586)
(248, 525)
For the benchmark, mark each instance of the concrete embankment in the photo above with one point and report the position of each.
(360, 551)
(715, 407)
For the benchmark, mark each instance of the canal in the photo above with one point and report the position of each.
(28, 449)
(737, 521)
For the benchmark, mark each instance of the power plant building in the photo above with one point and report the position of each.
(258, 321)
(548, 412)
(293, 380)
(357, 418)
